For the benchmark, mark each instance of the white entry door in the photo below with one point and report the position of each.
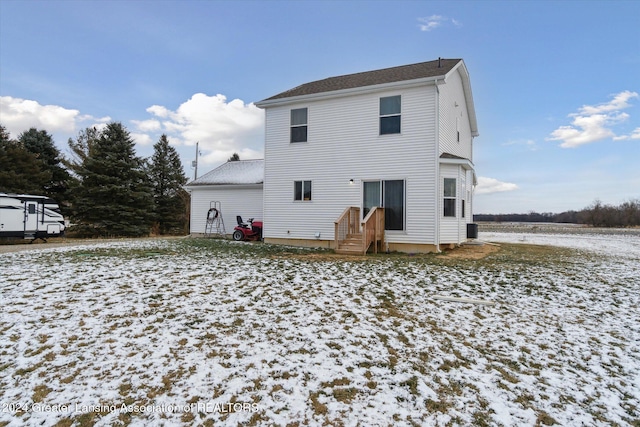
(30, 217)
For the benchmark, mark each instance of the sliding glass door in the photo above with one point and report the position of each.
(371, 196)
(388, 194)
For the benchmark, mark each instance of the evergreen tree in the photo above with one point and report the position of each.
(234, 157)
(40, 143)
(20, 170)
(4, 135)
(114, 195)
(167, 179)
(81, 149)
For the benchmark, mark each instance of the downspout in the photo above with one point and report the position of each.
(437, 161)
(473, 186)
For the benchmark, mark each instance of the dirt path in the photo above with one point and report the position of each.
(471, 251)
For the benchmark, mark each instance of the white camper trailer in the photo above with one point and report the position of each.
(30, 217)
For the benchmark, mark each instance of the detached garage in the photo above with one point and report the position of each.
(236, 186)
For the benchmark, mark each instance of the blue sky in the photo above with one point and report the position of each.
(556, 84)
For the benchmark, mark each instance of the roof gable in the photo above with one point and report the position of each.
(233, 173)
(430, 69)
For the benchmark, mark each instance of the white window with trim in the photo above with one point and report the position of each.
(449, 202)
(302, 191)
(390, 109)
(299, 125)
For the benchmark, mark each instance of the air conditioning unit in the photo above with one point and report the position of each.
(472, 231)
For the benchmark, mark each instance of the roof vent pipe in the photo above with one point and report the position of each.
(439, 62)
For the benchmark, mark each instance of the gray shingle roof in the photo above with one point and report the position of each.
(451, 156)
(237, 172)
(436, 68)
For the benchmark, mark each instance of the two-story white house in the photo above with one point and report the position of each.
(399, 138)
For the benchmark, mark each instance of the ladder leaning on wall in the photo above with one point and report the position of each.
(215, 223)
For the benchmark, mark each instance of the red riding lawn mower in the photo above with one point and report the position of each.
(250, 230)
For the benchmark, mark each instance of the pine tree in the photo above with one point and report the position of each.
(167, 179)
(114, 195)
(20, 170)
(81, 149)
(40, 143)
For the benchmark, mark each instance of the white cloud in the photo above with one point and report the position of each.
(19, 115)
(151, 125)
(158, 110)
(435, 21)
(492, 185)
(221, 127)
(97, 120)
(218, 156)
(594, 122)
(141, 138)
(430, 23)
(619, 102)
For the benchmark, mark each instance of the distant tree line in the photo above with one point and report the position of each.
(103, 187)
(627, 214)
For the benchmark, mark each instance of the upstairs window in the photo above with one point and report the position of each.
(302, 190)
(450, 197)
(299, 125)
(390, 115)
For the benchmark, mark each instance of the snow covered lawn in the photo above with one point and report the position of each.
(207, 332)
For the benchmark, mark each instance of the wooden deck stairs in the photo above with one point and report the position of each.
(354, 237)
(352, 244)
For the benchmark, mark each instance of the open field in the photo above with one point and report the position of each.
(209, 332)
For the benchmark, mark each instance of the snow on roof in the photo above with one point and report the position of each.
(233, 172)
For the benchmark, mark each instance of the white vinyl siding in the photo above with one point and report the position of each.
(454, 229)
(347, 145)
(455, 131)
(243, 200)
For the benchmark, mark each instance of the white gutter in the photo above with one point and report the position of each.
(222, 186)
(466, 164)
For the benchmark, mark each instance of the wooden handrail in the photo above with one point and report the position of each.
(347, 223)
(373, 229)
